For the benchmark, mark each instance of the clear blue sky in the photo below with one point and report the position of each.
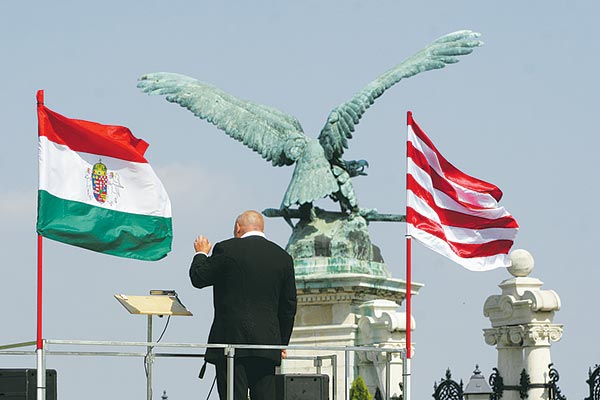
(520, 112)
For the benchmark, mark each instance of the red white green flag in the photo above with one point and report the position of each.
(97, 191)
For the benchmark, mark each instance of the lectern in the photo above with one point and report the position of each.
(159, 302)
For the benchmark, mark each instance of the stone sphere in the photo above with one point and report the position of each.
(521, 263)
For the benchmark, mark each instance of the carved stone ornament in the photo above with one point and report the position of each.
(522, 302)
(380, 324)
(523, 335)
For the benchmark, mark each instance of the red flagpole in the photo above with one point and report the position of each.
(408, 297)
(408, 261)
(40, 102)
(39, 292)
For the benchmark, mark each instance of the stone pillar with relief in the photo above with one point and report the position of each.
(522, 328)
(351, 309)
(381, 325)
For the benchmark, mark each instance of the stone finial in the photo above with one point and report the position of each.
(521, 263)
(522, 300)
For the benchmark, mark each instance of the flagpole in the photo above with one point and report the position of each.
(407, 371)
(408, 257)
(41, 363)
(39, 340)
(408, 295)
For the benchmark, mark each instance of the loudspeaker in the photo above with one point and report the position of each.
(302, 387)
(21, 384)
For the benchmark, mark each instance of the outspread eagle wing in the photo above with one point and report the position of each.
(342, 119)
(276, 136)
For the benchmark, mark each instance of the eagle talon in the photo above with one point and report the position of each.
(356, 167)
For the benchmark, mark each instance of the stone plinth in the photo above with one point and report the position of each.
(350, 309)
(522, 327)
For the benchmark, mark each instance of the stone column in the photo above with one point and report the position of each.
(510, 355)
(522, 327)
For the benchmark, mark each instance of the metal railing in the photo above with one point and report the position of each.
(229, 350)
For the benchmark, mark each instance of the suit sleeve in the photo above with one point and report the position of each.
(287, 305)
(205, 271)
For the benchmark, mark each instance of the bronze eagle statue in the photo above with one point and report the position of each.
(278, 137)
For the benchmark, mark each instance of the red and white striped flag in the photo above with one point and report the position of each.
(453, 213)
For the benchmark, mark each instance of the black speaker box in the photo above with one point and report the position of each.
(302, 387)
(21, 384)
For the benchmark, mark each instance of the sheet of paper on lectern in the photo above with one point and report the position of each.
(153, 305)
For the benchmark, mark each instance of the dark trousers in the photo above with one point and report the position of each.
(251, 373)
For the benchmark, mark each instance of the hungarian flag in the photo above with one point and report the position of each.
(453, 213)
(97, 191)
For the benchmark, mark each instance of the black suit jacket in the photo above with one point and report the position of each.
(254, 295)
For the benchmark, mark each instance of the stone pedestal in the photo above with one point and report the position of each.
(350, 309)
(522, 327)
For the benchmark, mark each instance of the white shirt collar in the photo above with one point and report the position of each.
(253, 233)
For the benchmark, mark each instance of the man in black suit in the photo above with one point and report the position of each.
(254, 295)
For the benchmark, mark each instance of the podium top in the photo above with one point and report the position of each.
(153, 305)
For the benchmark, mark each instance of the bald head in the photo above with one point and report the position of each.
(248, 221)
